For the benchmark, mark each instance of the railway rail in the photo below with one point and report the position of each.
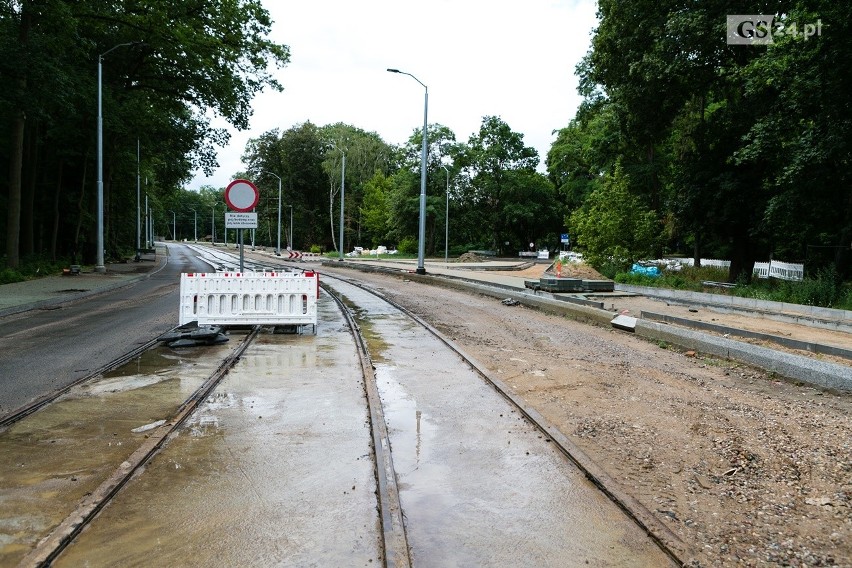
(480, 502)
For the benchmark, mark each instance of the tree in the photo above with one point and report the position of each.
(613, 227)
(490, 158)
(194, 57)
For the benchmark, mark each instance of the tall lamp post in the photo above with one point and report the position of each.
(447, 222)
(342, 184)
(278, 247)
(174, 225)
(422, 234)
(99, 262)
(195, 225)
(138, 205)
(213, 226)
(290, 240)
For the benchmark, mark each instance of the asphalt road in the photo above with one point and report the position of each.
(44, 350)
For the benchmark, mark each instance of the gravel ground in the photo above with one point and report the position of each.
(745, 469)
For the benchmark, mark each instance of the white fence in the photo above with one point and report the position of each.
(771, 269)
(786, 270)
(249, 298)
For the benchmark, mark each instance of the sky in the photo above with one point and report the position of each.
(505, 58)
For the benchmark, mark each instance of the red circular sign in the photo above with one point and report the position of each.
(241, 195)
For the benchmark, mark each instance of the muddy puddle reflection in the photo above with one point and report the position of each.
(275, 469)
(480, 486)
(53, 458)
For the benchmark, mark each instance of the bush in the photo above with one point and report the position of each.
(408, 245)
(9, 275)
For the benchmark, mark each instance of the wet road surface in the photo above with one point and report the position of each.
(275, 469)
(479, 485)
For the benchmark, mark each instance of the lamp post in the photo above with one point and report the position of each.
(213, 226)
(195, 225)
(422, 233)
(278, 246)
(138, 205)
(447, 223)
(174, 225)
(342, 190)
(290, 245)
(99, 262)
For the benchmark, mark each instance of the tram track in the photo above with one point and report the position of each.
(50, 547)
(395, 551)
(675, 548)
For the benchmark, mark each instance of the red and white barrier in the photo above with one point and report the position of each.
(249, 298)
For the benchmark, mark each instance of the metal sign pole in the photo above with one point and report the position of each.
(241, 251)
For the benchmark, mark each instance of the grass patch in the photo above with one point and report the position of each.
(824, 289)
(31, 268)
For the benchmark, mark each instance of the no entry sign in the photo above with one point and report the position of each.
(241, 195)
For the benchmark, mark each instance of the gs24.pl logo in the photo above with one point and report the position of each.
(760, 29)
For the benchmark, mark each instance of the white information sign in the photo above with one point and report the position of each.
(240, 220)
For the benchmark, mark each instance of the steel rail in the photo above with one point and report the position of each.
(397, 553)
(87, 509)
(657, 531)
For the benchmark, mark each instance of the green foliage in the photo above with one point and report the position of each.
(375, 210)
(687, 278)
(161, 63)
(613, 226)
(824, 289)
(11, 275)
(408, 245)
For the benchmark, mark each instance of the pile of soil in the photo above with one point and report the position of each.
(470, 257)
(579, 270)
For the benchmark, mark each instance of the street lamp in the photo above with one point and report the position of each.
(195, 225)
(342, 183)
(138, 205)
(290, 245)
(278, 247)
(213, 226)
(447, 221)
(422, 234)
(99, 262)
(174, 225)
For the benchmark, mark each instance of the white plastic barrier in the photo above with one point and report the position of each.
(249, 298)
(786, 270)
(761, 269)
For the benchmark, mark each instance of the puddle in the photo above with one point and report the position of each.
(273, 469)
(479, 485)
(54, 457)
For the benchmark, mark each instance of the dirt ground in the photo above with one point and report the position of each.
(746, 469)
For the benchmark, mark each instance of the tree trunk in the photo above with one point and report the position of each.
(55, 231)
(13, 218)
(28, 197)
(16, 154)
(742, 263)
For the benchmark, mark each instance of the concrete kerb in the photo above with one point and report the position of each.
(796, 367)
(793, 367)
(827, 318)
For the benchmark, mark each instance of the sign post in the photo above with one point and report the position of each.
(241, 196)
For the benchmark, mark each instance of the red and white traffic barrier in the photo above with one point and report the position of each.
(249, 298)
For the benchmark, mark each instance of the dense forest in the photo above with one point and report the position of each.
(684, 143)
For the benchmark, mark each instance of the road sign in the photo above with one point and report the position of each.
(295, 254)
(240, 220)
(241, 195)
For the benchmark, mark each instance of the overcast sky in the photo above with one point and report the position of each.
(507, 58)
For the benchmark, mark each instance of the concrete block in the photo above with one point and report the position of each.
(625, 323)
